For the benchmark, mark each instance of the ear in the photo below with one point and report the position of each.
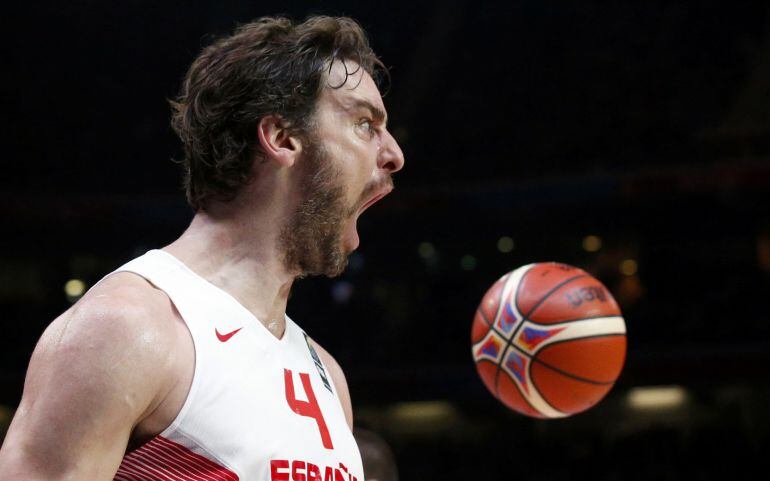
(277, 142)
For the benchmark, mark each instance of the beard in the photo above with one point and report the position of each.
(312, 239)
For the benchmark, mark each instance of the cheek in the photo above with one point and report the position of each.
(353, 175)
(357, 185)
(359, 167)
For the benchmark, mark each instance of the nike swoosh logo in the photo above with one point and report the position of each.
(226, 337)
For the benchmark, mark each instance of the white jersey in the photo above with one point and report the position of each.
(259, 408)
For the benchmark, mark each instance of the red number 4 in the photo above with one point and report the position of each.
(307, 408)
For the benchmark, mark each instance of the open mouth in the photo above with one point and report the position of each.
(373, 200)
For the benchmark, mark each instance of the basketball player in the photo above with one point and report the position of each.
(182, 364)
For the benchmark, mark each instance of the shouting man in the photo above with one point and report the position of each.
(182, 364)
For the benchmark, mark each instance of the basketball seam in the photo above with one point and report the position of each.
(484, 318)
(515, 384)
(571, 376)
(546, 296)
(534, 382)
(525, 317)
(568, 321)
(499, 311)
(565, 373)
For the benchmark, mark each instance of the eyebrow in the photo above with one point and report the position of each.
(378, 114)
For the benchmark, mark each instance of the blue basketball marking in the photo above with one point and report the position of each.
(490, 348)
(516, 365)
(508, 319)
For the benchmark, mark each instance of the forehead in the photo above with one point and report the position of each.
(348, 85)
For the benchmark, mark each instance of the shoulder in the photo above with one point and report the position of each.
(124, 307)
(98, 370)
(120, 332)
(338, 378)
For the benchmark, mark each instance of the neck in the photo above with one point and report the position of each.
(241, 256)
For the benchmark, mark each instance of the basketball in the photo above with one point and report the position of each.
(549, 340)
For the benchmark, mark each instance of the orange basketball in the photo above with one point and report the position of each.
(549, 340)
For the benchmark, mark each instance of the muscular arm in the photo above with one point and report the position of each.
(340, 383)
(97, 370)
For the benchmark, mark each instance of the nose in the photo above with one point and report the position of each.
(390, 157)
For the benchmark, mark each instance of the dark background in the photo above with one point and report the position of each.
(644, 123)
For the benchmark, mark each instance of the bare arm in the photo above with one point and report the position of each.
(340, 383)
(97, 370)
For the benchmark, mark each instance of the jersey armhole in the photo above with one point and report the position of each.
(193, 388)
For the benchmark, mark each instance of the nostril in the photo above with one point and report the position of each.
(391, 158)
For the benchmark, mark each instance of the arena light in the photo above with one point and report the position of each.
(592, 243)
(629, 267)
(342, 291)
(426, 250)
(423, 412)
(505, 244)
(657, 397)
(422, 418)
(5, 416)
(74, 288)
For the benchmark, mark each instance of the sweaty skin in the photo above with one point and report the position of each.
(114, 370)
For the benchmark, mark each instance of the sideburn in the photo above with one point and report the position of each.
(312, 238)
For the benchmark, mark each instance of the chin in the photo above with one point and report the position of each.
(337, 266)
(337, 272)
(329, 264)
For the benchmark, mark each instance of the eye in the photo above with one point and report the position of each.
(367, 126)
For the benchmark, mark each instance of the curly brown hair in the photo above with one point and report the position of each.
(268, 66)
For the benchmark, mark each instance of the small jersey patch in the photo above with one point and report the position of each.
(318, 364)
